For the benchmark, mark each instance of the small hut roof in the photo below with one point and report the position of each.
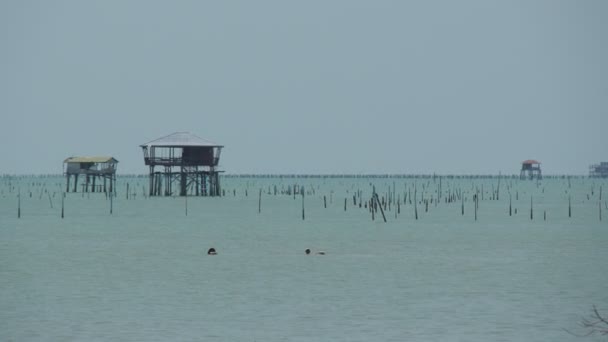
(530, 161)
(90, 160)
(179, 139)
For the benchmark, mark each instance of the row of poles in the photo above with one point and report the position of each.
(374, 203)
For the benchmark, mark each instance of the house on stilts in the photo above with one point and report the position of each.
(599, 170)
(183, 164)
(92, 168)
(530, 169)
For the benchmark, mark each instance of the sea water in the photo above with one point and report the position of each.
(141, 272)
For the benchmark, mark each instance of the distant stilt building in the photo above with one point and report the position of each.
(530, 169)
(92, 168)
(188, 165)
(599, 170)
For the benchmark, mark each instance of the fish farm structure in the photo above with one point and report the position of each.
(599, 170)
(184, 162)
(92, 168)
(530, 169)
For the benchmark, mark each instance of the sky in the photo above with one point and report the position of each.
(315, 86)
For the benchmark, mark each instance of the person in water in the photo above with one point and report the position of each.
(211, 251)
(307, 251)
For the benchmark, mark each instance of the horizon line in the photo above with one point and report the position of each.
(336, 175)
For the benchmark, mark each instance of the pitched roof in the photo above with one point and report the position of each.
(530, 161)
(90, 160)
(178, 139)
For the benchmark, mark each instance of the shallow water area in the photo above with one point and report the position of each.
(142, 272)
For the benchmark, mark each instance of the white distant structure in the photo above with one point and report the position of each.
(599, 170)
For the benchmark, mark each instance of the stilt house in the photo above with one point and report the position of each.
(183, 164)
(599, 170)
(92, 168)
(531, 168)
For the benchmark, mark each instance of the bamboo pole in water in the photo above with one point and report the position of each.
(415, 206)
(462, 205)
(381, 210)
(476, 201)
(303, 215)
(531, 209)
(371, 207)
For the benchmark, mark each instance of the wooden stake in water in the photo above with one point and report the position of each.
(111, 204)
(397, 209)
(19, 205)
(260, 202)
(531, 209)
(462, 205)
(50, 201)
(476, 200)
(415, 207)
(498, 187)
(185, 202)
(381, 210)
(303, 215)
(324, 201)
(62, 200)
(371, 208)
(510, 205)
(569, 205)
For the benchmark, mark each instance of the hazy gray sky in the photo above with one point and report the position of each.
(308, 86)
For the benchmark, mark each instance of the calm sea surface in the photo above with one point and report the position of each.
(142, 272)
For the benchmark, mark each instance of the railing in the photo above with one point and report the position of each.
(177, 161)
